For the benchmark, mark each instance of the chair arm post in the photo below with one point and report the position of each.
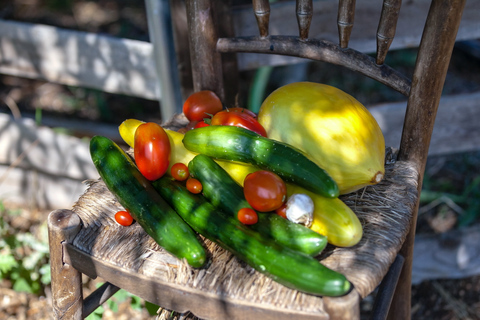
(67, 295)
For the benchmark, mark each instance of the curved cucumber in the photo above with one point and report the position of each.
(146, 206)
(290, 268)
(238, 144)
(223, 192)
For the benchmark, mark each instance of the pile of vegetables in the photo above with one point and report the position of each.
(265, 188)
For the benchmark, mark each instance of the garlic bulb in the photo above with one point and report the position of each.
(299, 209)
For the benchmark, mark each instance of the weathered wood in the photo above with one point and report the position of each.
(161, 37)
(126, 66)
(384, 297)
(98, 297)
(78, 59)
(320, 50)
(387, 27)
(203, 36)
(429, 76)
(363, 37)
(304, 12)
(261, 9)
(345, 19)
(67, 294)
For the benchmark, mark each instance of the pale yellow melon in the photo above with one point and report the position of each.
(331, 127)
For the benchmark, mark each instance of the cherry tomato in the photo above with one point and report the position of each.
(247, 216)
(243, 110)
(264, 190)
(282, 211)
(200, 104)
(194, 185)
(151, 150)
(123, 218)
(238, 119)
(179, 171)
(201, 124)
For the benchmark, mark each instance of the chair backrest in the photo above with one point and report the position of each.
(211, 39)
(213, 46)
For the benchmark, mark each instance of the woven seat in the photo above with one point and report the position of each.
(86, 239)
(228, 288)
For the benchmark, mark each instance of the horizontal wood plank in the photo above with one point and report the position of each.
(76, 58)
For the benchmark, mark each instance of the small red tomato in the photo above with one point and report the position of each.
(282, 211)
(247, 216)
(200, 104)
(151, 150)
(194, 185)
(238, 119)
(201, 124)
(179, 171)
(243, 110)
(264, 190)
(123, 218)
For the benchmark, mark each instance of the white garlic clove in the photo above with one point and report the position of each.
(299, 209)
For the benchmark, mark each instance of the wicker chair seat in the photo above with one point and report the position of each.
(130, 259)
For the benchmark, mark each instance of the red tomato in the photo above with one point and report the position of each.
(123, 218)
(201, 124)
(194, 185)
(238, 119)
(200, 104)
(247, 216)
(151, 150)
(179, 171)
(282, 211)
(264, 190)
(243, 110)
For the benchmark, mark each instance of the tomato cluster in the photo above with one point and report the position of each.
(204, 108)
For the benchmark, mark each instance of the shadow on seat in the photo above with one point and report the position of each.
(86, 239)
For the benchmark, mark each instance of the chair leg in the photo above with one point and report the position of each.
(67, 295)
(400, 308)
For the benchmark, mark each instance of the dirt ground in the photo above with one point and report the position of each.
(438, 299)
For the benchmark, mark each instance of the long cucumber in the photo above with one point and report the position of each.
(290, 268)
(239, 144)
(147, 207)
(223, 192)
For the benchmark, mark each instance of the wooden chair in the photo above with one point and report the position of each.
(85, 239)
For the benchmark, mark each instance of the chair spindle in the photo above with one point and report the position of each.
(304, 17)
(261, 8)
(345, 17)
(386, 28)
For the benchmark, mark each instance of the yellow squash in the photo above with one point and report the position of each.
(331, 127)
(332, 217)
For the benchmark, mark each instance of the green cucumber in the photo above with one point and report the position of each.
(136, 194)
(223, 192)
(239, 144)
(292, 269)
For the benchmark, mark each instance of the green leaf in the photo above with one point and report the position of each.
(151, 308)
(46, 277)
(136, 303)
(7, 263)
(22, 285)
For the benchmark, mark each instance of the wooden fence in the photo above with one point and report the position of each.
(149, 69)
